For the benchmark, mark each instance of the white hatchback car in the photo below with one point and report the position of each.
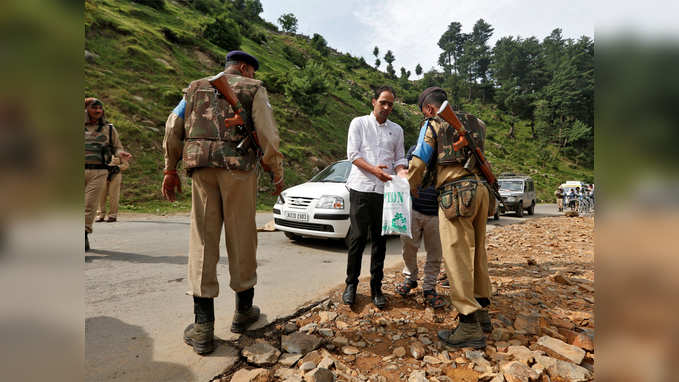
(317, 208)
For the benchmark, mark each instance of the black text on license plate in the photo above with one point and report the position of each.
(301, 216)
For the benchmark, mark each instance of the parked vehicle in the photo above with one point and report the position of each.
(317, 208)
(518, 193)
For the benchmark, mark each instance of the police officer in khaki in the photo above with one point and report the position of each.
(101, 141)
(463, 202)
(224, 188)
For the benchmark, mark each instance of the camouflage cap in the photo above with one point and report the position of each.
(426, 92)
(239, 55)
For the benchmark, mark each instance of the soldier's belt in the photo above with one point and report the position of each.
(451, 185)
(96, 167)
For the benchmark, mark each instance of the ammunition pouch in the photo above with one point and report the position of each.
(456, 199)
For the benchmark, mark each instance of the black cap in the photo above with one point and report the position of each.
(239, 55)
(426, 92)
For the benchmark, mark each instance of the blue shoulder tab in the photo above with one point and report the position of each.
(180, 109)
(423, 150)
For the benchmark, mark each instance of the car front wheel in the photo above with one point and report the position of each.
(531, 209)
(519, 209)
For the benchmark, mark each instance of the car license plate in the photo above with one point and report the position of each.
(300, 216)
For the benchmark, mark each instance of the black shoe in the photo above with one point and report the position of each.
(349, 295)
(379, 300)
(87, 243)
(200, 337)
(243, 320)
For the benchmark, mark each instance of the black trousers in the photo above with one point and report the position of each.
(366, 219)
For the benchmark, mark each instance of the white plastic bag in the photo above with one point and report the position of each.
(396, 207)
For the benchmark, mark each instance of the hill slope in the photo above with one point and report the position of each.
(141, 59)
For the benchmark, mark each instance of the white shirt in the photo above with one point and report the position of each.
(377, 143)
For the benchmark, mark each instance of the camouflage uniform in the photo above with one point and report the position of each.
(96, 138)
(462, 224)
(224, 180)
(111, 190)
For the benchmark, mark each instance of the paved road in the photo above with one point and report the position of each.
(136, 306)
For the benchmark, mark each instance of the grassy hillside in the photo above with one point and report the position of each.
(142, 57)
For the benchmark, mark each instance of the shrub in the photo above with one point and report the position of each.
(223, 32)
(205, 6)
(305, 88)
(156, 4)
(295, 56)
(274, 81)
(319, 43)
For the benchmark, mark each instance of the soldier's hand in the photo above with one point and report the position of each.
(124, 155)
(171, 183)
(380, 174)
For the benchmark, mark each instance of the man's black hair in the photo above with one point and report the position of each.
(435, 98)
(383, 88)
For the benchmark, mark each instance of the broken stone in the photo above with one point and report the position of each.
(307, 366)
(341, 341)
(399, 351)
(308, 328)
(327, 316)
(521, 353)
(418, 376)
(417, 350)
(568, 371)
(582, 340)
(284, 373)
(289, 359)
(431, 360)
(527, 323)
(559, 349)
(341, 325)
(261, 354)
(326, 363)
(299, 343)
(477, 358)
(289, 327)
(349, 350)
(254, 375)
(425, 340)
(320, 375)
(516, 371)
(326, 332)
(501, 334)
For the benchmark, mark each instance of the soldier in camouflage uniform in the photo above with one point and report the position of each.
(101, 140)
(463, 202)
(224, 189)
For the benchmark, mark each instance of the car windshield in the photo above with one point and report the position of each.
(335, 173)
(511, 185)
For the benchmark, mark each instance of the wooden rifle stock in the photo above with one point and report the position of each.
(448, 115)
(221, 83)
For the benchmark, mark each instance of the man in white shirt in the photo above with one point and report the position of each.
(375, 148)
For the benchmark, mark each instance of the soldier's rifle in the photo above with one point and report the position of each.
(221, 83)
(466, 140)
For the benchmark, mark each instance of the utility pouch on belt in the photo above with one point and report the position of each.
(457, 198)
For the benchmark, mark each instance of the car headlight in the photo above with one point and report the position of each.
(511, 198)
(330, 202)
(281, 199)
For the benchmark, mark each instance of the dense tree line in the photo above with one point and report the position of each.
(549, 83)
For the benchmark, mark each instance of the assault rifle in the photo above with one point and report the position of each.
(221, 83)
(466, 140)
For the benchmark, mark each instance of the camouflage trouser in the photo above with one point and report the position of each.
(95, 180)
(222, 198)
(464, 255)
(111, 192)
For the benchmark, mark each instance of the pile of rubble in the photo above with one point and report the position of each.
(542, 312)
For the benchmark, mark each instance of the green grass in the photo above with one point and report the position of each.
(140, 74)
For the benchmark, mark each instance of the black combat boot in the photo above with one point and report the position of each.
(200, 334)
(468, 333)
(246, 313)
(87, 243)
(482, 315)
(349, 295)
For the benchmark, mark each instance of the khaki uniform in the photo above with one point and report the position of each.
(95, 179)
(463, 238)
(111, 190)
(224, 180)
(559, 199)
